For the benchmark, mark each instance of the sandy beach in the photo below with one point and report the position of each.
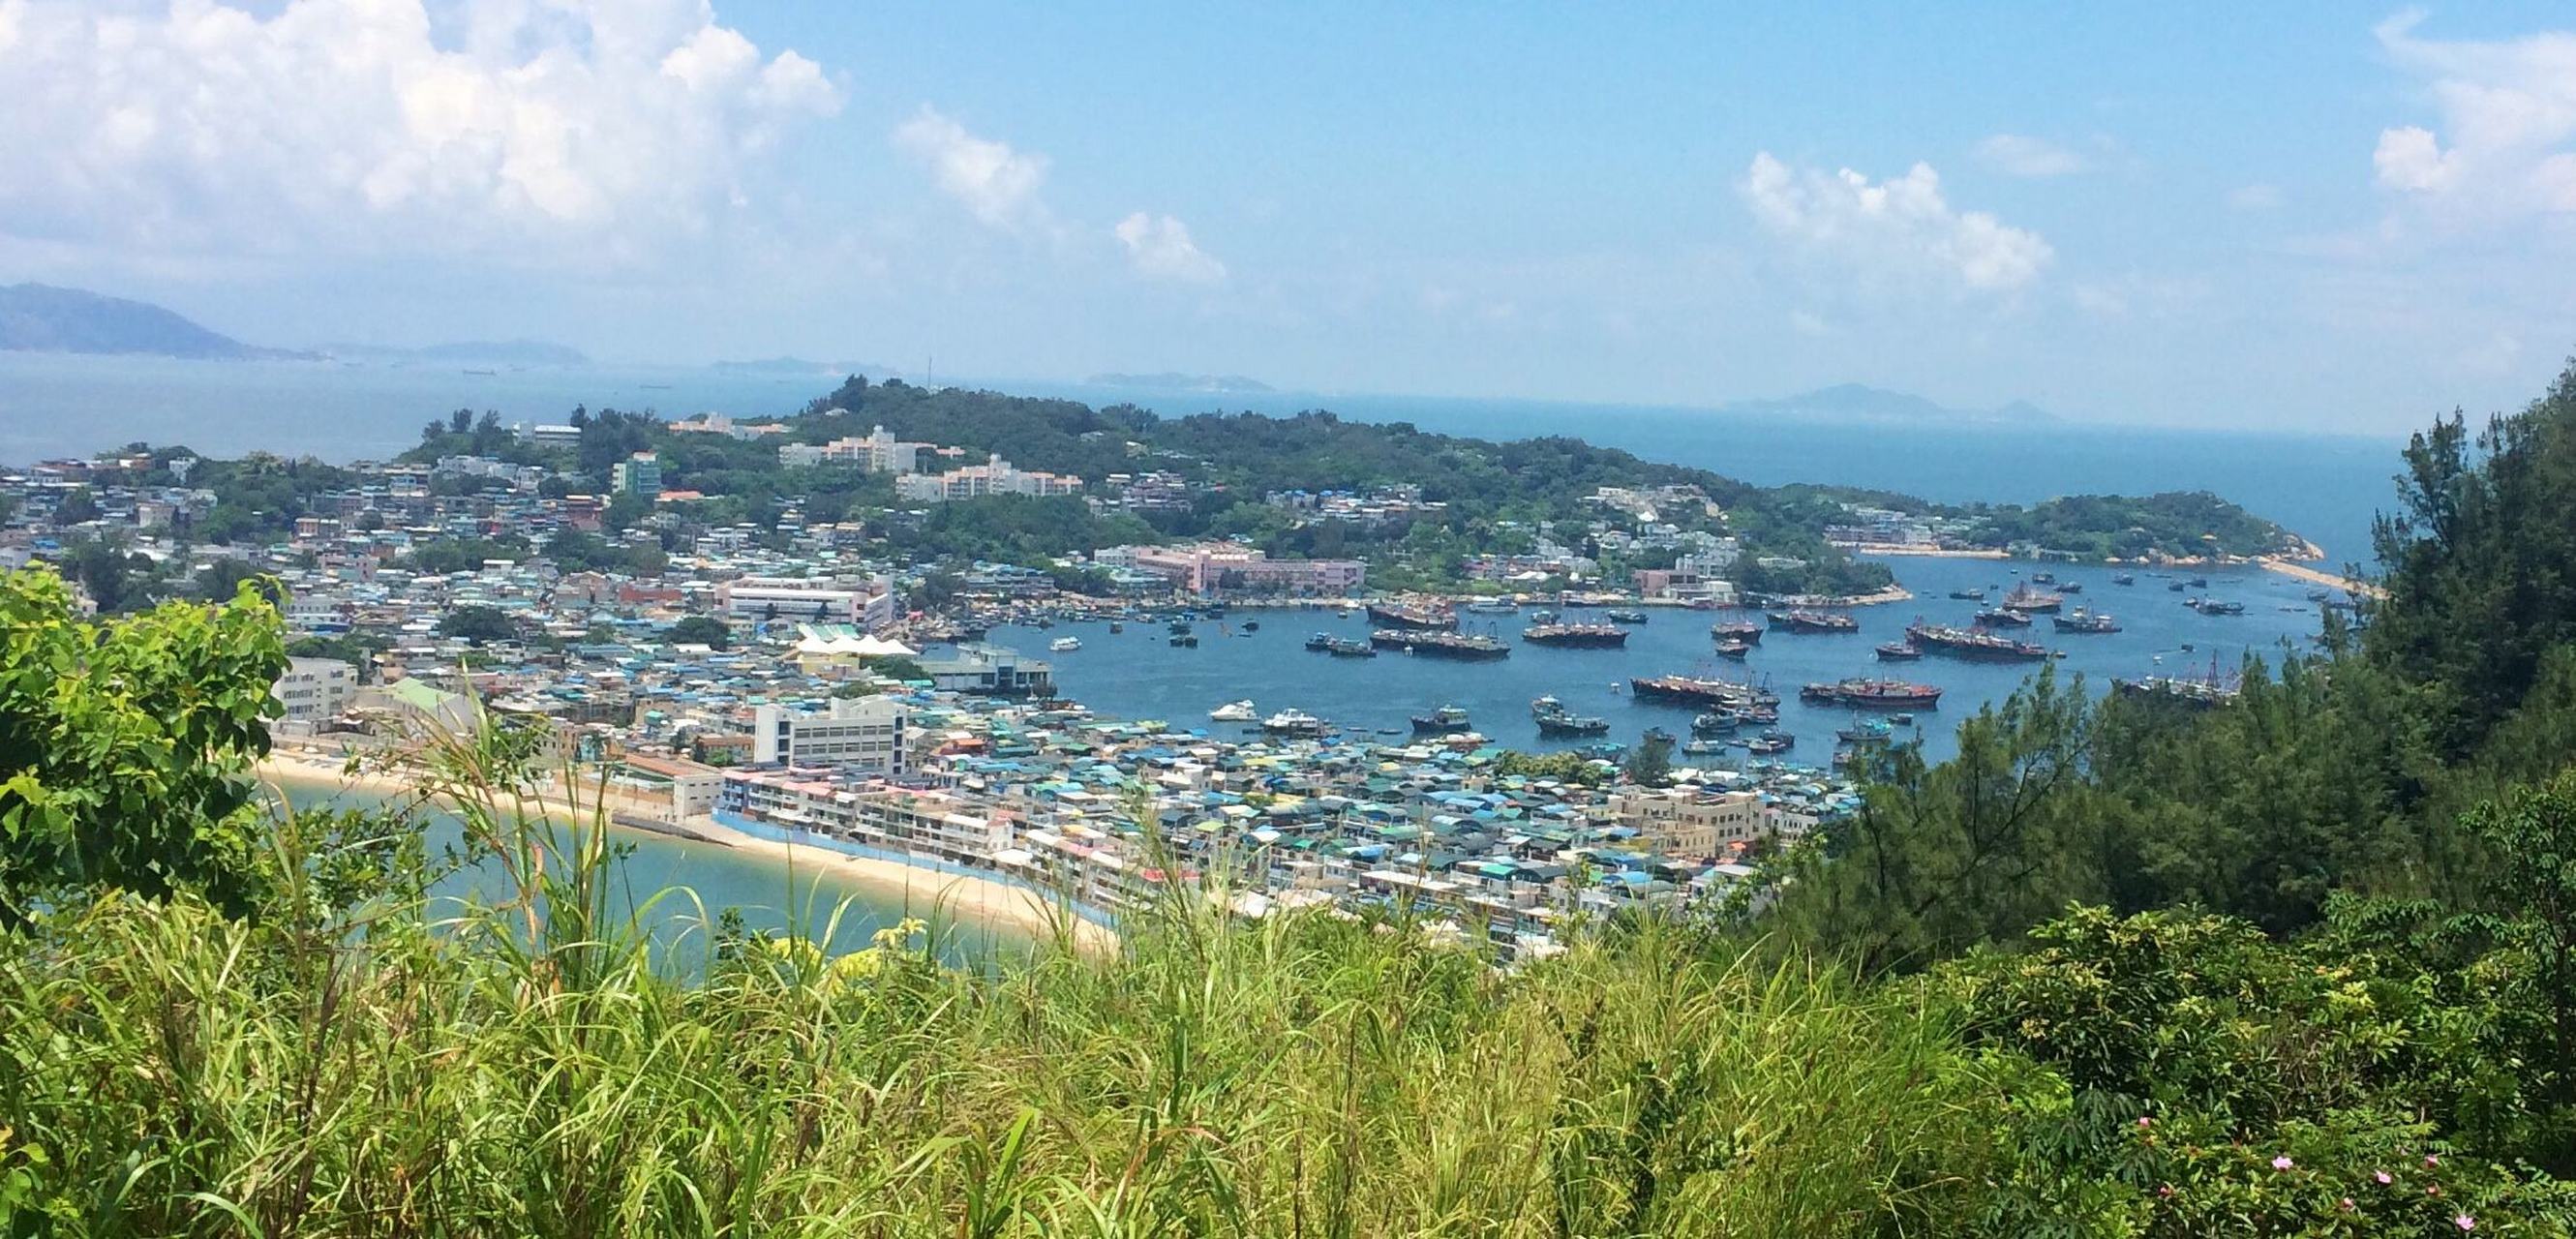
(2317, 576)
(918, 889)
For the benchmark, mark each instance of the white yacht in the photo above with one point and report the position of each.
(1234, 712)
(1062, 645)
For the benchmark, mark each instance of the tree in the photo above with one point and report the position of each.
(704, 630)
(2531, 835)
(76, 507)
(478, 625)
(125, 746)
(1650, 764)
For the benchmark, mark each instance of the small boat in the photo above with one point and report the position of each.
(1741, 630)
(1234, 712)
(2044, 578)
(1178, 628)
(2070, 587)
(2081, 620)
(2174, 586)
(1349, 647)
(1542, 617)
(1703, 747)
(2002, 617)
(1443, 720)
(1320, 642)
(2198, 582)
(1184, 642)
(1901, 720)
(1554, 719)
(1065, 645)
(1867, 731)
(1625, 615)
(1492, 606)
(1115, 627)
(2212, 606)
(1714, 723)
(1736, 650)
(1771, 742)
(1969, 595)
(1251, 626)
(2123, 578)
(1898, 652)
(1293, 723)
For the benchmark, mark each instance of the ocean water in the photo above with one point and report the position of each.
(2326, 487)
(1138, 674)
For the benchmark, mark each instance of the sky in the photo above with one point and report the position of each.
(2297, 217)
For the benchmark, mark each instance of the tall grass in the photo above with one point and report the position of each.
(538, 1068)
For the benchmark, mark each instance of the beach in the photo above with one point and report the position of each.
(918, 889)
(2316, 576)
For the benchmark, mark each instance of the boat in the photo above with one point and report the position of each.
(1554, 719)
(1714, 723)
(2212, 606)
(2123, 578)
(1814, 621)
(1184, 642)
(1737, 630)
(2002, 617)
(2027, 600)
(1293, 723)
(1065, 645)
(2044, 578)
(1867, 731)
(1873, 695)
(1178, 628)
(1443, 720)
(1542, 617)
(1492, 606)
(1972, 643)
(2174, 586)
(1320, 642)
(1252, 625)
(1349, 647)
(2081, 620)
(1580, 636)
(2191, 694)
(1433, 644)
(1703, 747)
(1969, 595)
(1771, 742)
(1625, 615)
(1898, 652)
(1116, 627)
(1397, 615)
(1694, 690)
(481, 373)
(2198, 582)
(1736, 650)
(2070, 587)
(1234, 712)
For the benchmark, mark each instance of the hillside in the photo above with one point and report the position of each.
(40, 318)
(1855, 402)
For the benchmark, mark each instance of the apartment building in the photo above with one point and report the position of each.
(1690, 822)
(315, 690)
(855, 734)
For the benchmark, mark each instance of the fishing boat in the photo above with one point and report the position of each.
(1433, 644)
(2123, 578)
(1115, 627)
(1065, 645)
(1867, 731)
(2212, 606)
(1694, 690)
(1251, 626)
(1771, 742)
(1972, 643)
(1320, 642)
(1441, 721)
(1736, 650)
(1578, 636)
(1715, 723)
(1625, 615)
(1873, 695)
(1234, 712)
(1185, 640)
(1397, 615)
(1555, 720)
(1178, 628)
(1703, 747)
(2070, 587)
(1898, 652)
(2002, 617)
(1813, 621)
(2084, 621)
(1293, 723)
(1969, 595)
(1349, 647)
(2044, 578)
(2028, 601)
(1737, 630)
(1492, 606)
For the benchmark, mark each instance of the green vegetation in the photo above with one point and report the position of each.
(706, 630)
(2302, 963)
(2177, 524)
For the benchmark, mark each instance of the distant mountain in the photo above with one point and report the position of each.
(39, 318)
(1230, 384)
(1855, 402)
(467, 352)
(800, 367)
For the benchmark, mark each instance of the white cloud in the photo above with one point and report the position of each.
(2014, 154)
(543, 130)
(997, 185)
(2259, 196)
(1160, 246)
(2506, 137)
(1894, 227)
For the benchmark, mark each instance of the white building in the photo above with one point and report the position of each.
(1684, 822)
(869, 605)
(315, 690)
(995, 476)
(864, 734)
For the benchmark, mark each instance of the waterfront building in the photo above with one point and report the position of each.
(1206, 567)
(315, 690)
(854, 734)
(990, 671)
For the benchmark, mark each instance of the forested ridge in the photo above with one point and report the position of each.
(2300, 963)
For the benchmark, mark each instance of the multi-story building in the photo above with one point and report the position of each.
(640, 474)
(995, 476)
(852, 734)
(1206, 567)
(315, 690)
(1686, 822)
(869, 605)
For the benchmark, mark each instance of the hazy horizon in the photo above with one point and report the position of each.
(2299, 221)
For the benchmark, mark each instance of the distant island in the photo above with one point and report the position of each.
(1859, 403)
(467, 352)
(1173, 381)
(40, 318)
(799, 367)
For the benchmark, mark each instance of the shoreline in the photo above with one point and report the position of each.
(910, 889)
(2318, 576)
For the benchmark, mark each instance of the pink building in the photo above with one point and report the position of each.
(1208, 566)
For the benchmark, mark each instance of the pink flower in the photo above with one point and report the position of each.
(2144, 1121)
(2345, 1204)
(2383, 1178)
(2282, 1162)
(2431, 1160)
(2166, 1191)
(2465, 1222)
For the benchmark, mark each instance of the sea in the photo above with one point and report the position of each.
(2325, 487)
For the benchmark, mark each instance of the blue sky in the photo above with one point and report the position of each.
(2282, 216)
